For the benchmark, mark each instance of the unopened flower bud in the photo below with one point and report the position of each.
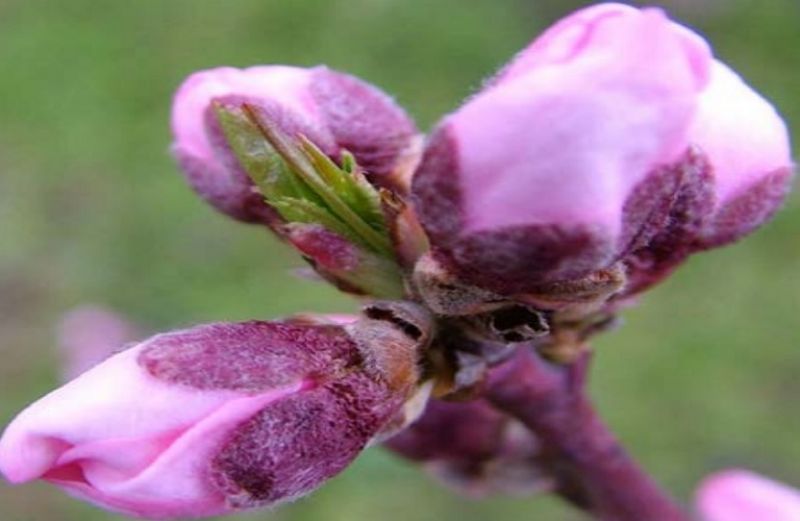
(215, 418)
(740, 495)
(334, 110)
(474, 449)
(614, 132)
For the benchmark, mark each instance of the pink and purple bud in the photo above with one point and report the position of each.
(474, 449)
(740, 495)
(333, 110)
(615, 136)
(216, 418)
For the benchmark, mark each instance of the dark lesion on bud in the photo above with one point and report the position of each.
(510, 324)
(518, 323)
(460, 356)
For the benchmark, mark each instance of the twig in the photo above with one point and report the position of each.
(594, 471)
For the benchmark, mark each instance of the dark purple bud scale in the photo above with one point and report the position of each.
(295, 444)
(672, 238)
(233, 194)
(346, 396)
(363, 120)
(250, 356)
(755, 205)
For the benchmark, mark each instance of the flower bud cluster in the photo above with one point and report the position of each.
(585, 171)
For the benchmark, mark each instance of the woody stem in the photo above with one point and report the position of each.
(593, 470)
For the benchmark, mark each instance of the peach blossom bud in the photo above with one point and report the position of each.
(215, 418)
(615, 136)
(740, 495)
(334, 110)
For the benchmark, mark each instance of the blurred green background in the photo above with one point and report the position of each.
(705, 373)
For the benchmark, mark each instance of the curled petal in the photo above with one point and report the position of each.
(570, 36)
(742, 134)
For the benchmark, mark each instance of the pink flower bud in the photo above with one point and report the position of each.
(211, 419)
(594, 140)
(739, 495)
(334, 110)
(452, 430)
(474, 449)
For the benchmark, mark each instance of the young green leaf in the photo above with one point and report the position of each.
(295, 210)
(259, 159)
(352, 186)
(302, 163)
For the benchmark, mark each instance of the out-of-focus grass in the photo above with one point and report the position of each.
(703, 375)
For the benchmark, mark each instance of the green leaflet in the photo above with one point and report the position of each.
(302, 183)
(350, 184)
(261, 162)
(295, 210)
(324, 178)
(306, 187)
(377, 276)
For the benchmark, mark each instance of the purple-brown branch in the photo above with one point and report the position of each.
(594, 471)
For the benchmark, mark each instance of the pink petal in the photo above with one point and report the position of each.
(545, 148)
(175, 483)
(129, 441)
(739, 495)
(562, 41)
(285, 85)
(740, 131)
(572, 35)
